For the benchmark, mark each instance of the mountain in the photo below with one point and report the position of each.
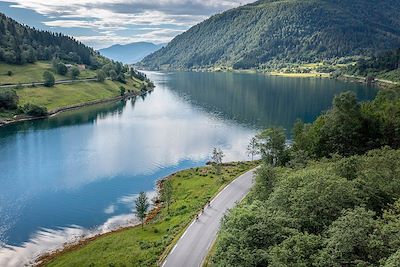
(130, 53)
(275, 31)
(20, 44)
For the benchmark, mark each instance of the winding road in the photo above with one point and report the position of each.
(193, 246)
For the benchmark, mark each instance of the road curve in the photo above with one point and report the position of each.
(194, 244)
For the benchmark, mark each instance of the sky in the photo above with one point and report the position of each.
(101, 23)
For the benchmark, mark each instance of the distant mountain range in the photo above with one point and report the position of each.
(130, 53)
(276, 31)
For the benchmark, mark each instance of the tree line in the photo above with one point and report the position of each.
(328, 197)
(20, 44)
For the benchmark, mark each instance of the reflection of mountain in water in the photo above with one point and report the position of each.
(262, 100)
(80, 116)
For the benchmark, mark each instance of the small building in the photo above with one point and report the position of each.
(81, 66)
(68, 66)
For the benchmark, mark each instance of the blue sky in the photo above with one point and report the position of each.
(101, 23)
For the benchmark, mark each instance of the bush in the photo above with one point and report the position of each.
(49, 79)
(75, 72)
(101, 76)
(8, 99)
(9, 73)
(122, 90)
(34, 110)
(61, 69)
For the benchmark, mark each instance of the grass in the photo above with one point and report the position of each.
(63, 95)
(300, 75)
(143, 246)
(29, 73)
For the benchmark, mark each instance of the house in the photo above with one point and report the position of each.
(81, 66)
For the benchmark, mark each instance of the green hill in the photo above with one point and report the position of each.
(269, 31)
(20, 44)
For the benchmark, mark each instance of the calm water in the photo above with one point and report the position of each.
(79, 172)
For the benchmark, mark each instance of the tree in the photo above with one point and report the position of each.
(61, 69)
(101, 76)
(122, 90)
(166, 193)
(142, 205)
(252, 148)
(217, 156)
(8, 99)
(272, 146)
(75, 72)
(49, 79)
(113, 75)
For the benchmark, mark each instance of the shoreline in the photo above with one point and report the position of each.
(44, 258)
(55, 112)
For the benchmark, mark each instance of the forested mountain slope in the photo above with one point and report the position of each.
(20, 44)
(286, 31)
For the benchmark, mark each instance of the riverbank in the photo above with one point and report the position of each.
(54, 112)
(137, 246)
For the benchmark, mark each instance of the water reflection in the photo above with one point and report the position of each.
(260, 100)
(82, 170)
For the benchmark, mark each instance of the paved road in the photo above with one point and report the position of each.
(42, 83)
(194, 244)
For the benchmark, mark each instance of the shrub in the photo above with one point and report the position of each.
(122, 90)
(9, 73)
(61, 69)
(101, 76)
(49, 79)
(34, 110)
(75, 72)
(8, 99)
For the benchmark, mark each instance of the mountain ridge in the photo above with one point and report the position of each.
(130, 53)
(283, 31)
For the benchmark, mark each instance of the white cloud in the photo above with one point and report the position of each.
(117, 16)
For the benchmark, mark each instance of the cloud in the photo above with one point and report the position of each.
(164, 18)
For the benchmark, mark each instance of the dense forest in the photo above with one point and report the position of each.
(20, 44)
(284, 31)
(331, 198)
(384, 65)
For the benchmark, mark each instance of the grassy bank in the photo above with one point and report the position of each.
(29, 73)
(144, 247)
(60, 95)
(63, 95)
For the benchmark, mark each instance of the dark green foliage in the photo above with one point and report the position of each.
(61, 68)
(385, 62)
(315, 217)
(284, 31)
(75, 72)
(34, 110)
(113, 75)
(20, 44)
(101, 76)
(49, 79)
(350, 128)
(272, 146)
(9, 73)
(8, 99)
(298, 250)
(122, 90)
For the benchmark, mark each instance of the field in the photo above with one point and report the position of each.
(63, 95)
(33, 73)
(143, 246)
